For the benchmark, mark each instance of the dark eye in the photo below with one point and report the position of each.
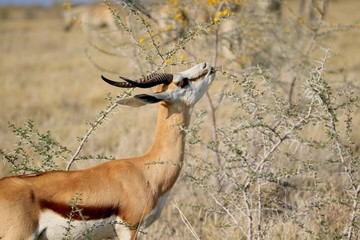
(184, 82)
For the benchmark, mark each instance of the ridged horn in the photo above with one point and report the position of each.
(117, 84)
(147, 81)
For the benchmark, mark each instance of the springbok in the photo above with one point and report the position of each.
(116, 198)
(90, 16)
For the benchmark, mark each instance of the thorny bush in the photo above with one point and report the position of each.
(284, 162)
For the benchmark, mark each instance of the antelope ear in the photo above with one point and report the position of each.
(131, 102)
(155, 97)
(142, 99)
(147, 98)
(138, 100)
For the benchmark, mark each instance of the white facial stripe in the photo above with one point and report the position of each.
(199, 77)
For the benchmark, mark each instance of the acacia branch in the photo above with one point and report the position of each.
(93, 127)
(307, 50)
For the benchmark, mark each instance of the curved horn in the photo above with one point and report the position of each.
(117, 84)
(147, 81)
(151, 80)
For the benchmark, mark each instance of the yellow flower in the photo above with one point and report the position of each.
(219, 14)
(225, 12)
(333, 23)
(216, 19)
(141, 41)
(170, 27)
(178, 16)
(182, 57)
(167, 61)
(175, 2)
(211, 2)
(301, 20)
(358, 24)
(67, 5)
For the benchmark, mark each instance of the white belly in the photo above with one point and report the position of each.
(53, 226)
(156, 212)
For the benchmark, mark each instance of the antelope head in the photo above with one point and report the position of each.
(185, 88)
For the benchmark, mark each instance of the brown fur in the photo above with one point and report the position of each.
(129, 188)
(132, 189)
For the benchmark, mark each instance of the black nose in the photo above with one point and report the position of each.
(212, 70)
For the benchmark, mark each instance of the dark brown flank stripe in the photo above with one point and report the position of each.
(86, 212)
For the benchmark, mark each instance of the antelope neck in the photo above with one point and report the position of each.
(165, 157)
(169, 135)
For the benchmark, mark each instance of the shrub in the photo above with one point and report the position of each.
(274, 156)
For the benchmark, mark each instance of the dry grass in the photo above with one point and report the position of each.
(47, 77)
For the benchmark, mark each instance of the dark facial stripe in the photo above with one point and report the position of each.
(197, 78)
(85, 213)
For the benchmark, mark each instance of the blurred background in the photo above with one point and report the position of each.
(43, 3)
(52, 54)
